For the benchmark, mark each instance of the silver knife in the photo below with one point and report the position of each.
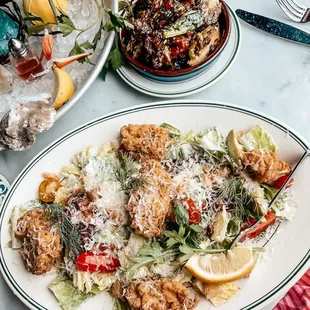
(274, 27)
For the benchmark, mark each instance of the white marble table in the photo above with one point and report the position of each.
(270, 75)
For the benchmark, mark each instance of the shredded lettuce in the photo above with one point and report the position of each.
(165, 269)
(285, 206)
(108, 148)
(81, 159)
(135, 243)
(258, 138)
(183, 143)
(173, 132)
(93, 282)
(67, 295)
(212, 140)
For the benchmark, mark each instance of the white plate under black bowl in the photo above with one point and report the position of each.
(196, 84)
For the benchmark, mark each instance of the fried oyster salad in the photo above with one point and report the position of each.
(150, 218)
(171, 34)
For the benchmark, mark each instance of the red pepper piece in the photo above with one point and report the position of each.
(97, 262)
(278, 183)
(270, 218)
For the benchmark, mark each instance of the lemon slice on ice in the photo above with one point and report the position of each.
(224, 267)
(63, 87)
(43, 9)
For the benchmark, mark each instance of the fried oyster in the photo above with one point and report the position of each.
(145, 141)
(265, 165)
(41, 246)
(157, 294)
(149, 205)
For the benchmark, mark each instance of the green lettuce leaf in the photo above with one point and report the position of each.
(285, 206)
(258, 138)
(212, 140)
(68, 296)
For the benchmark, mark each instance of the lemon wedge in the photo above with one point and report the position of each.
(63, 87)
(224, 267)
(43, 9)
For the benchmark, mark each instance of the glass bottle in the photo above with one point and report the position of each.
(25, 60)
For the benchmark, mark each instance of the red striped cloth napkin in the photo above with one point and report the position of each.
(298, 297)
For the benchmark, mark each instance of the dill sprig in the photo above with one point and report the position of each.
(69, 235)
(233, 191)
(126, 173)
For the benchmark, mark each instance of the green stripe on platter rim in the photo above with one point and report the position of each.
(149, 91)
(159, 105)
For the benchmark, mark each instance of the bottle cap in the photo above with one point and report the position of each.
(17, 48)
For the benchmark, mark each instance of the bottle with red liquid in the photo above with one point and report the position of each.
(24, 59)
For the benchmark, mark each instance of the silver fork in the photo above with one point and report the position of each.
(278, 194)
(297, 12)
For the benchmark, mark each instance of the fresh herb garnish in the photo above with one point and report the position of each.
(233, 192)
(116, 58)
(126, 173)
(69, 235)
(186, 239)
(188, 235)
(66, 27)
(150, 254)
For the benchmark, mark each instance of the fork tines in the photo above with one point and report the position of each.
(293, 10)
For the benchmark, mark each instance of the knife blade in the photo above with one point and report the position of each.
(274, 27)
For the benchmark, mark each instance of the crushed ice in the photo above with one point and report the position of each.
(83, 14)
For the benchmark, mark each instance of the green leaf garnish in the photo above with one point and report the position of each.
(97, 37)
(181, 214)
(150, 254)
(116, 58)
(87, 45)
(77, 50)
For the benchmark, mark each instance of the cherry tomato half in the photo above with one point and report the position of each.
(48, 189)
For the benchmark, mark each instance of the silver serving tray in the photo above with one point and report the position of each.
(112, 5)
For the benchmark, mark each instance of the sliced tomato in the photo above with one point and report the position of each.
(270, 218)
(97, 262)
(278, 184)
(248, 223)
(193, 211)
